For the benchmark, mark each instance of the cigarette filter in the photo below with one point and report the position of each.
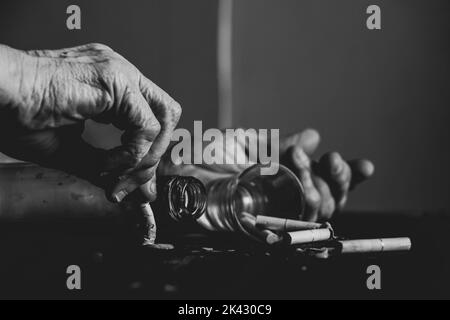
(265, 235)
(284, 225)
(376, 245)
(270, 237)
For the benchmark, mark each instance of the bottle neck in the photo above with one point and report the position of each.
(186, 198)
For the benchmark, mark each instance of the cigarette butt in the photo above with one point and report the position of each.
(265, 235)
(284, 225)
(271, 237)
(149, 224)
(307, 236)
(375, 245)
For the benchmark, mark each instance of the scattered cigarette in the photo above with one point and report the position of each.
(300, 232)
(375, 245)
(271, 237)
(267, 236)
(149, 226)
(284, 225)
(308, 236)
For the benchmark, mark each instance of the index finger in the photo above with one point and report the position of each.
(141, 130)
(168, 113)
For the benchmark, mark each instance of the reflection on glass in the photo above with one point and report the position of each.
(230, 199)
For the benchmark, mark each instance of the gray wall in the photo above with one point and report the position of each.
(380, 94)
(173, 42)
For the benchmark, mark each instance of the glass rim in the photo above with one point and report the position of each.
(285, 170)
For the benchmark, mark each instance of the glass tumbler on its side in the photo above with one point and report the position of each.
(250, 193)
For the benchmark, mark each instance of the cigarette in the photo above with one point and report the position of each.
(375, 245)
(265, 235)
(271, 237)
(284, 225)
(308, 236)
(149, 224)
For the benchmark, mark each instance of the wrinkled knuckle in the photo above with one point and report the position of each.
(99, 47)
(154, 128)
(37, 53)
(176, 110)
(107, 69)
(107, 96)
(114, 62)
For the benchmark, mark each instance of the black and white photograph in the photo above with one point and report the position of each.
(227, 157)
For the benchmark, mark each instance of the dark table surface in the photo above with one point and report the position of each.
(34, 258)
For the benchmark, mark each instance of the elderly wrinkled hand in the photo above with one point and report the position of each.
(326, 182)
(45, 97)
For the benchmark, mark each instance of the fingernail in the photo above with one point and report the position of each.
(336, 163)
(369, 169)
(119, 196)
(153, 187)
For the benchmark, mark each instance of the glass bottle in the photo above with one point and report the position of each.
(181, 201)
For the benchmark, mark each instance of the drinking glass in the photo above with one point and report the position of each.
(249, 193)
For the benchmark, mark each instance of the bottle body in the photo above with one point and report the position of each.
(184, 204)
(30, 193)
